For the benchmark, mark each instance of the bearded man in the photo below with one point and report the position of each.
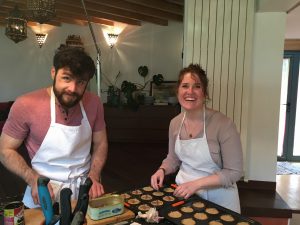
(63, 129)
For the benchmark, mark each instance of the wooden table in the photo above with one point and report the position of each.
(36, 217)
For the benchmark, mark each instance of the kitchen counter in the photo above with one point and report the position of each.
(260, 201)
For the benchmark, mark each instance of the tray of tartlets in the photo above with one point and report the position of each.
(197, 211)
(143, 198)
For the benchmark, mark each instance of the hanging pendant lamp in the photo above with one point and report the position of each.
(16, 26)
(41, 10)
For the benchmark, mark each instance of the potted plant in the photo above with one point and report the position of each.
(114, 93)
(133, 91)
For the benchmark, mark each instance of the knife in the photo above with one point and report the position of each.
(65, 206)
(79, 216)
(45, 199)
(83, 189)
(78, 219)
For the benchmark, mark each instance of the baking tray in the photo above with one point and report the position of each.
(142, 198)
(197, 211)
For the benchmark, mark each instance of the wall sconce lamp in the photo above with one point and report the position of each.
(41, 38)
(112, 39)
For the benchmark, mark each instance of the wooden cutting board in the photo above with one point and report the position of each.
(36, 217)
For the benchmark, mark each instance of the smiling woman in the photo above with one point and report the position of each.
(203, 144)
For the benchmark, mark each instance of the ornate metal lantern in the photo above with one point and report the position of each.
(16, 26)
(41, 10)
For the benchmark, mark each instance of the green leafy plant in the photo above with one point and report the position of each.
(114, 93)
(132, 91)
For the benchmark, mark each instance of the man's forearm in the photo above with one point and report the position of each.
(14, 162)
(98, 160)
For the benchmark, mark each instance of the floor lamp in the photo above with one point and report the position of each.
(97, 49)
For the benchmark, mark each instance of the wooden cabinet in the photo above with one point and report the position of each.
(149, 124)
(138, 142)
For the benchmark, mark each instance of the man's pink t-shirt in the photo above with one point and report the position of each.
(29, 117)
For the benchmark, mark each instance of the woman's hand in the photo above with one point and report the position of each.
(187, 189)
(157, 179)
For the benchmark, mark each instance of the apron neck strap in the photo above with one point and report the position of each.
(52, 107)
(204, 125)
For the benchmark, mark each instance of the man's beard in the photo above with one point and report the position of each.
(66, 103)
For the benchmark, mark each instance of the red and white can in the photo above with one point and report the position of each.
(14, 213)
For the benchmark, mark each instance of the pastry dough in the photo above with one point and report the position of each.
(168, 189)
(146, 197)
(144, 207)
(158, 193)
(201, 216)
(168, 198)
(215, 223)
(137, 192)
(157, 202)
(148, 188)
(175, 214)
(198, 204)
(227, 218)
(188, 221)
(213, 211)
(133, 201)
(125, 195)
(186, 209)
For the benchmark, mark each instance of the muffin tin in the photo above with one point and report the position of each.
(193, 211)
(144, 198)
(197, 211)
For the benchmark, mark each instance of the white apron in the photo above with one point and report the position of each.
(197, 163)
(64, 155)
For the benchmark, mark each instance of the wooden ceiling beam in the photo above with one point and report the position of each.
(70, 6)
(55, 23)
(52, 23)
(97, 8)
(125, 7)
(160, 5)
(177, 2)
(71, 15)
(72, 20)
(80, 16)
(107, 12)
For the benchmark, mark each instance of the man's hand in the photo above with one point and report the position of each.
(34, 189)
(97, 189)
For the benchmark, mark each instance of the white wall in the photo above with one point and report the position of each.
(25, 67)
(292, 24)
(265, 84)
(261, 72)
(157, 47)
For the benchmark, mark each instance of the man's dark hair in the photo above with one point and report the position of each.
(77, 60)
